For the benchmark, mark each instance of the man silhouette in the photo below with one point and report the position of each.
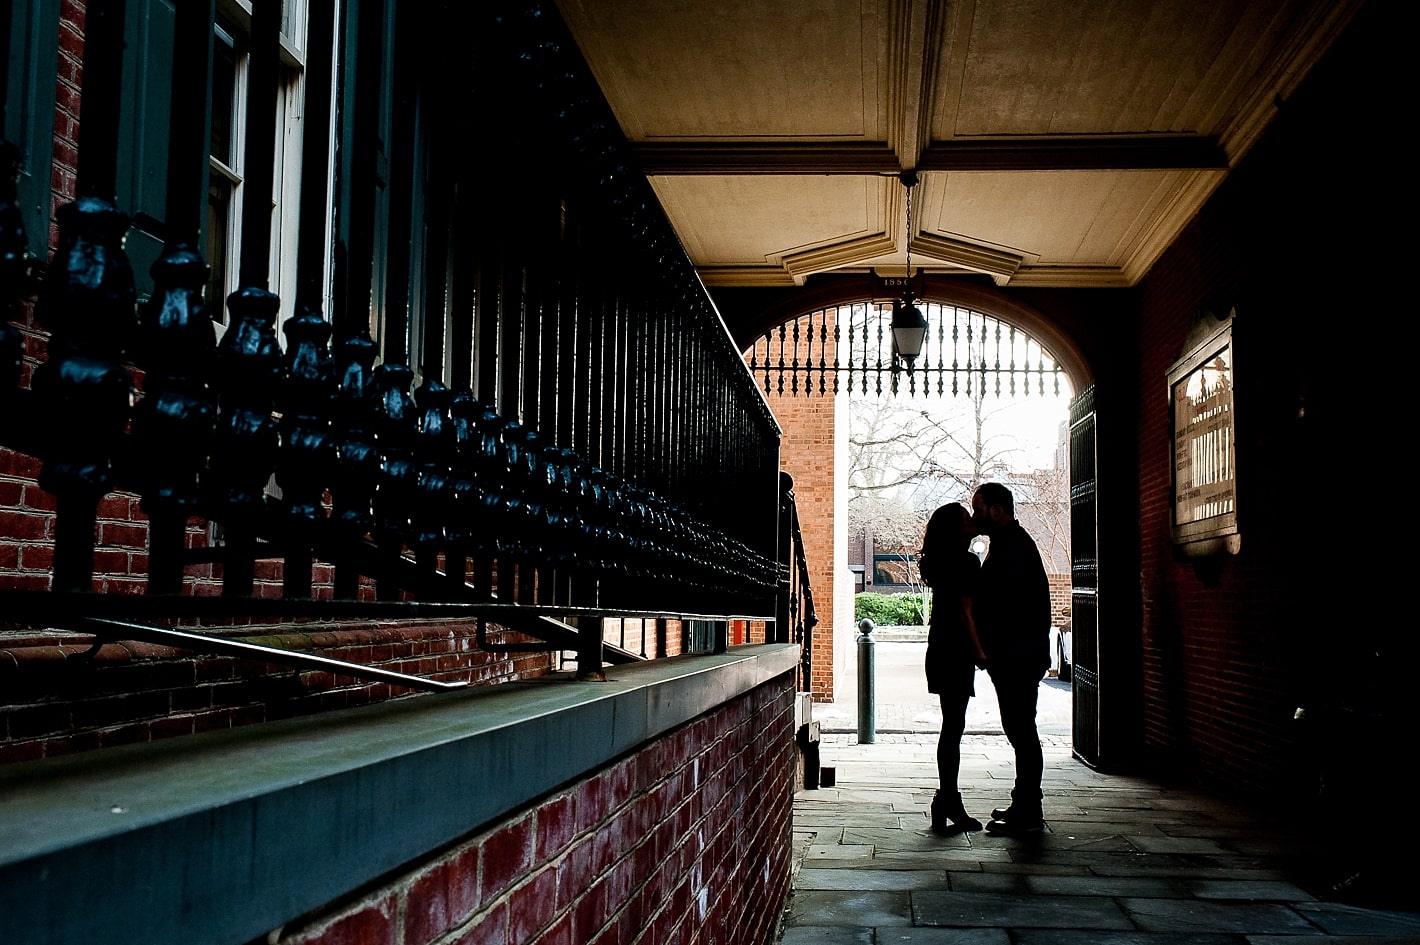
(1012, 609)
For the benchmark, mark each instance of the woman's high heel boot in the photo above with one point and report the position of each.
(949, 814)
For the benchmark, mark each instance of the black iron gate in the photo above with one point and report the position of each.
(1084, 578)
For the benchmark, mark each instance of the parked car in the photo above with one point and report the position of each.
(1064, 657)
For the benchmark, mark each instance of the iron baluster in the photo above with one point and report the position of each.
(998, 359)
(173, 423)
(956, 354)
(83, 392)
(794, 362)
(87, 303)
(574, 553)
(767, 342)
(783, 331)
(397, 486)
(823, 354)
(509, 512)
(620, 567)
(434, 452)
(837, 341)
(1011, 347)
(535, 571)
(560, 514)
(462, 502)
(357, 457)
(249, 376)
(595, 531)
(305, 458)
(491, 478)
(938, 319)
(249, 362)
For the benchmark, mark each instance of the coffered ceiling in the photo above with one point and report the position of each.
(1055, 143)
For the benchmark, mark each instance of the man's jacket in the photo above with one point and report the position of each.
(1012, 604)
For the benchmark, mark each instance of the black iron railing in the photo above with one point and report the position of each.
(576, 438)
(849, 349)
(797, 599)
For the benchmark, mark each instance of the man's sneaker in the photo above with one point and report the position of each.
(1005, 813)
(1015, 828)
(1010, 823)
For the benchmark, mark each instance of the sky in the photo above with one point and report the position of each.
(1034, 422)
(1031, 422)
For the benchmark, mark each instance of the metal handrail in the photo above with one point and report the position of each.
(807, 616)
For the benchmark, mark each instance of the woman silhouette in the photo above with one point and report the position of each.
(954, 651)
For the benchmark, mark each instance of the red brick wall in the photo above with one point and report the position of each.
(1232, 644)
(69, 72)
(57, 697)
(1059, 597)
(1216, 700)
(807, 453)
(686, 841)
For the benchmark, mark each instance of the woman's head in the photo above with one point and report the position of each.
(949, 526)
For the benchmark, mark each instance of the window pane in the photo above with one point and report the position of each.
(219, 213)
(224, 94)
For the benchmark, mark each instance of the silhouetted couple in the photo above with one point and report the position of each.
(995, 615)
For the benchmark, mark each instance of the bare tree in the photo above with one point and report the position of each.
(902, 458)
(1043, 506)
(905, 461)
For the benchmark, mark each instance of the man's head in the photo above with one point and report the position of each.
(992, 507)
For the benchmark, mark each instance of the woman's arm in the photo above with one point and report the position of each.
(969, 618)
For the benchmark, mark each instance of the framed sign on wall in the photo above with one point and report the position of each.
(1204, 488)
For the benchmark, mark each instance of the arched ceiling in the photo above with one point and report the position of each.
(1056, 144)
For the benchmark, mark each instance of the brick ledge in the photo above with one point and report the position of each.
(223, 836)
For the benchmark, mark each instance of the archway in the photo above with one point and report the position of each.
(808, 364)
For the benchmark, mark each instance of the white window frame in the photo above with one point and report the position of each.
(235, 15)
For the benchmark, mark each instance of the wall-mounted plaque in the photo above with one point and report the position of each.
(1204, 491)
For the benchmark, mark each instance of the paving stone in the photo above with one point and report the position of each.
(987, 882)
(1192, 915)
(834, 907)
(839, 851)
(867, 879)
(1320, 938)
(1017, 868)
(1178, 845)
(1096, 937)
(894, 839)
(856, 819)
(943, 937)
(1061, 838)
(1255, 890)
(1106, 886)
(954, 858)
(827, 935)
(1004, 910)
(1123, 861)
(1341, 919)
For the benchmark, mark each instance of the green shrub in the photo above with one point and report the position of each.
(888, 610)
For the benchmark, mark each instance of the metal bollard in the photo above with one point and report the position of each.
(867, 703)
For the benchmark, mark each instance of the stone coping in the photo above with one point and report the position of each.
(221, 837)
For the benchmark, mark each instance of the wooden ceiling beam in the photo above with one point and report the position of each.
(1112, 153)
(1116, 152)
